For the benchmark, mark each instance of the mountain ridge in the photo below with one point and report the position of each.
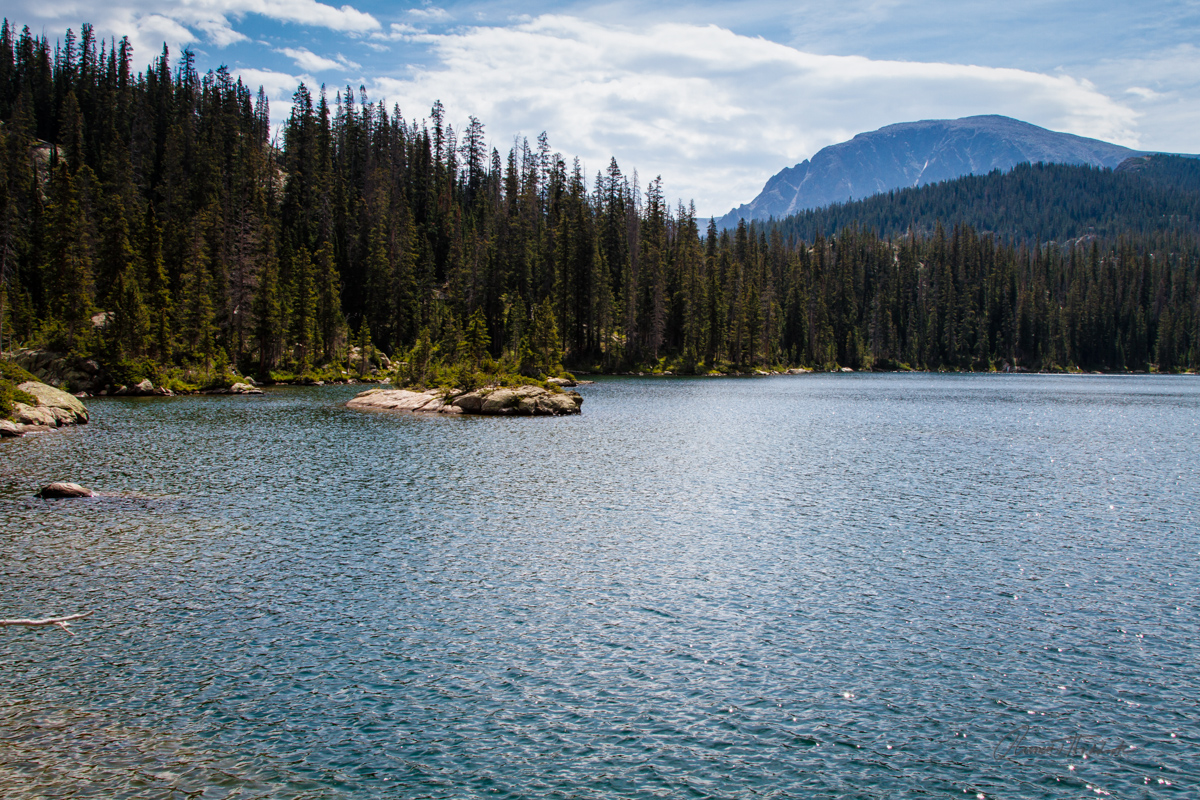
(911, 154)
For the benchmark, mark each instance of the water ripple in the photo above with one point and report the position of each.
(824, 586)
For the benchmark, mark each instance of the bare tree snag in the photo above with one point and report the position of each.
(61, 622)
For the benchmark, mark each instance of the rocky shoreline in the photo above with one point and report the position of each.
(54, 408)
(497, 401)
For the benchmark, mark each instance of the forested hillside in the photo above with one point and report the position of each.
(150, 220)
(1045, 202)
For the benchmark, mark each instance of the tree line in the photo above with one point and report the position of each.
(151, 220)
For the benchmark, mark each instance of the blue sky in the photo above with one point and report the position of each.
(715, 97)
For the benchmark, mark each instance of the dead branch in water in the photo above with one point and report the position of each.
(60, 622)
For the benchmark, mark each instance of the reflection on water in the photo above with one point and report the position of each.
(822, 586)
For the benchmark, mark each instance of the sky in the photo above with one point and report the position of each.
(713, 96)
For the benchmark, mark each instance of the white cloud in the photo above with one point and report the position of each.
(311, 62)
(1162, 86)
(1144, 93)
(398, 32)
(277, 85)
(149, 23)
(431, 13)
(219, 32)
(715, 112)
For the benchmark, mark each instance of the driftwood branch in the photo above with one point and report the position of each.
(60, 622)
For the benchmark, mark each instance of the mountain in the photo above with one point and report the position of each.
(916, 154)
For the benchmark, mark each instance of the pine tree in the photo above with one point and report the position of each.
(68, 264)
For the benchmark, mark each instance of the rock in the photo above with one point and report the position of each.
(30, 415)
(56, 369)
(518, 401)
(63, 490)
(62, 416)
(469, 403)
(847, 369)
(434, 405)
(162, 391)
(56, 407)
(556, 404)
(121, 391)
(50, 398)
(390, 399)
(561, 382)
(501, 401)
(244, 388)
(143, 388)
(11, 429)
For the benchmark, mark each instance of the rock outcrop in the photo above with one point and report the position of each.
(489, 401)
(78, 374)
(54, 409)
(55, 491)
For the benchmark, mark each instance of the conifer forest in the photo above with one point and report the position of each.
(154, 220)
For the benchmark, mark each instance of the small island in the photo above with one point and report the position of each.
(456, 374)
(501, 401)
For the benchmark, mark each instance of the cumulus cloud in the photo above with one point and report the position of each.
(715, 112)
(311, 62)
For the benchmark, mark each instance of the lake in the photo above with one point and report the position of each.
(871, 586)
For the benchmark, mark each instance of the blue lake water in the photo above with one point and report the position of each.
(874, 586)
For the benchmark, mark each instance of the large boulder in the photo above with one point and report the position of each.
(72, 410)
(392, 399)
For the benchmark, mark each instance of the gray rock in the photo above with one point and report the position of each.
(30, 415)
(64, 490)
(11, 429)
(391, 399)
(244, 388)
(469, 403)
(143, 388)
(49, 397)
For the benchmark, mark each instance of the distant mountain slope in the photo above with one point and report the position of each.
(916, 154)
(1048, 202)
